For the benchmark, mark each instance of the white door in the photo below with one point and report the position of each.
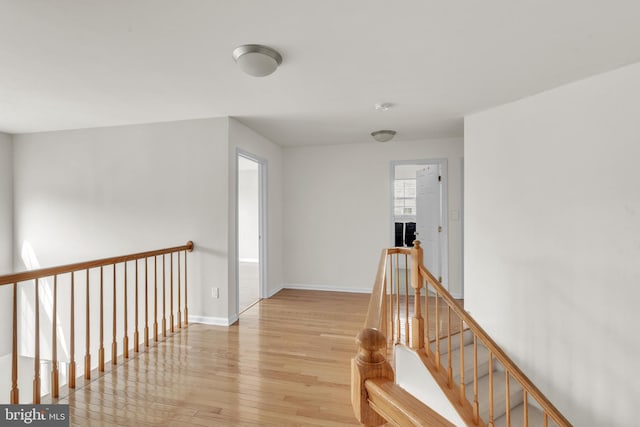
(429, 227)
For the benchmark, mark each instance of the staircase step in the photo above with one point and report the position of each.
(467, 338)
(483, 362)
(499, 400)
(535, 415)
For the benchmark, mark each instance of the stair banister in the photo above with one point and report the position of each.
(375, 397)
(36, 276)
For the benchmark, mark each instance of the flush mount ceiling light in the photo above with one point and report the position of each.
(383, 106)
(383, 135)
(257, 60)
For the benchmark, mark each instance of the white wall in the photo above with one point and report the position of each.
(552, 244)
(413, 376)
(6, 239)
(244, 138)
(6, 204)
(337, 210)
(93, 193)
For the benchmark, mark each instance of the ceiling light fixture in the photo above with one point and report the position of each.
(383, 135)
(383, 106)
(257, 60)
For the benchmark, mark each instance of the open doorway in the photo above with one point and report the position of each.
(250, 232)
(418, 211)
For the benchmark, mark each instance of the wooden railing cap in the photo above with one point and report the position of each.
(370, 341)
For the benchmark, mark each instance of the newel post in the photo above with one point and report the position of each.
(369, 363)
(417, 324)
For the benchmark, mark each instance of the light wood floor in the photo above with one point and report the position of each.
(285, 363)
(248, 284)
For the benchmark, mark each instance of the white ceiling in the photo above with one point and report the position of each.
(68, 64)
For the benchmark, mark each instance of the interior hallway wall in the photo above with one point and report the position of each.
(246, 139)
(93, 193)
(337, 210)
(552, 244)
(6, 238)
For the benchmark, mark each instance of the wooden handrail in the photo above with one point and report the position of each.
(36, 277)
(399, 407)
(52, 271)
(374, 312)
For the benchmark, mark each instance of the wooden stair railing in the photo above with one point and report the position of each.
(35, 277)
(395, 316)
(376, 399)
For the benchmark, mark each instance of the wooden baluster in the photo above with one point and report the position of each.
(15, 392)
(406, 299)
(437, 320)
(462, 387)
(391, 313)
(383, 321)
(87, 340)
(146, 302)
(525, 404)
(114, 343)
(417, 326)
(155, 298)
(476, 405)
(449, 367)
(397, 261)
(546, 419)
(171, 292)
(179, 283)
(101, 349)
(72, 336)
(136, 335)
(490, 389)
(55, 377)
(164, 303)
(427, 347)
(507, 397)
(125, 340)
(36, 359)
(186, 310)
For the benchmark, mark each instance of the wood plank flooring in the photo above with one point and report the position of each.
(285, 363)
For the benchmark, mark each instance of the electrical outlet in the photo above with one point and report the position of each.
(215, 292)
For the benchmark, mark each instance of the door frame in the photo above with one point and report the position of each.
(444, 207)
(262, 224)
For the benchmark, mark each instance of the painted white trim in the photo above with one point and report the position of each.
(263, 225)
(252, 260)
(307, 287)
(274, 291)
(214, 321)
(462, 227)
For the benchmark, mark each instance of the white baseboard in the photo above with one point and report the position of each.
(274, 291)
(308, 287)
(214, 321)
